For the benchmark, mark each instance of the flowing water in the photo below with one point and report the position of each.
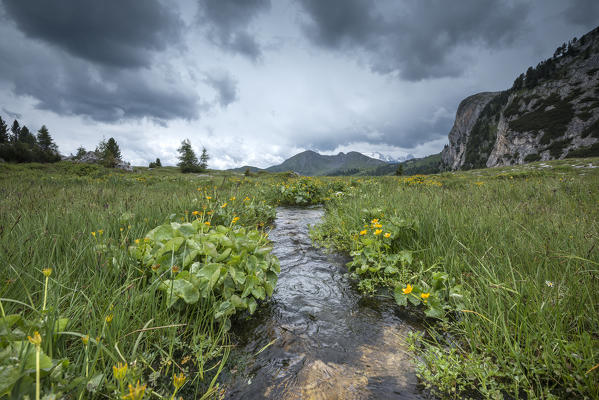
(326, 342)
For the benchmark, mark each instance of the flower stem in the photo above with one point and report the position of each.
(37, 372)
(45, 294)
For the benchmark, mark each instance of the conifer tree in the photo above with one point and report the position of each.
(45, 141)
(188, 162)
(3, 131)
(204, 159)
(15, 130)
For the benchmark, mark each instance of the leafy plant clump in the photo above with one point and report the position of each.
(230, 268)
(304, 191)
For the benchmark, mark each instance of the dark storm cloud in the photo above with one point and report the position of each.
(121, 33)
(227, 23)
(71, 86)
(583, 12)
(415, 38)
(225, 86)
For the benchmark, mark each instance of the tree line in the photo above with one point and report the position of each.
(19, 144)
(548, 69)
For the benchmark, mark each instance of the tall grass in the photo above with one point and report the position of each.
(524, 243)
(47, 216)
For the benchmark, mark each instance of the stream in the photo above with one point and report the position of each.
(326, 340)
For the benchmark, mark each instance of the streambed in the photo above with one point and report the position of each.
(326, 341)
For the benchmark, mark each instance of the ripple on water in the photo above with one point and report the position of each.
(329, 345)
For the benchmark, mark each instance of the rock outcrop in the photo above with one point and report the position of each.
(552, 112)
(91, 157)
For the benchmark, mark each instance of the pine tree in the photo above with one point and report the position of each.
(80, 152)
(204, 159)
(399, 170)
(114, 149)
(45, 141)
(16, 131)
(188, 162)
(109, 152)
(158, 163)
(3, 131)
(25, 136)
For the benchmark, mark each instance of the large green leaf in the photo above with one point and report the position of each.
(180, 288)
(171, 246)
(9, 375)
(400, 298)
(161, 233)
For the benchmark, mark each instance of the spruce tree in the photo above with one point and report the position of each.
(80, 152)
(188, 162)
(114, 149)
(109, 152)
(45, 141)
(25, 136)
(16, 131)
(204, 159)
(3, 131)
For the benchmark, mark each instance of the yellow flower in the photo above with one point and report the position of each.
(155, 267)
(377, 226)
(208, 197)
(175, 269)
(135, 393)
(119, 371)
(195, 213)
(425, 295)
(109, 318)
(246, 199)
(85, 339)
(179, 380)
(47, 272)
(224, 205)
(387, 235)
(207, 223)
(94, 234)
(232, 198)
(122, 229)
(235, 220)
(101, 231)
(136, 241)
(362, 233)
(378, 231)
(36, 339)
(375, 221)
(407, 289)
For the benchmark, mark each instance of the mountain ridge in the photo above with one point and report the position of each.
(550, 112)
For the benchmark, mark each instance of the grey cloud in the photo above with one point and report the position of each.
(583, 12)
(11, 114)
(121, 33)
(71, 86)
(227, 22)
(225, 85)
(415, 38)
(392, 133)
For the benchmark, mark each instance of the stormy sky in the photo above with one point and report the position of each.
(256, 81)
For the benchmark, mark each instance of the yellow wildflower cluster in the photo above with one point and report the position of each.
(420, 180)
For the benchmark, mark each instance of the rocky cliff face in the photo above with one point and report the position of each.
(551, 112)
(453, 156)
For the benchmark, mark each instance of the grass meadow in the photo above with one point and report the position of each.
(502, 264)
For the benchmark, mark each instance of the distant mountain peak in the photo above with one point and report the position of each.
(311, 163)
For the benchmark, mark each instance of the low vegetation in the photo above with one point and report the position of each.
(126, 284)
